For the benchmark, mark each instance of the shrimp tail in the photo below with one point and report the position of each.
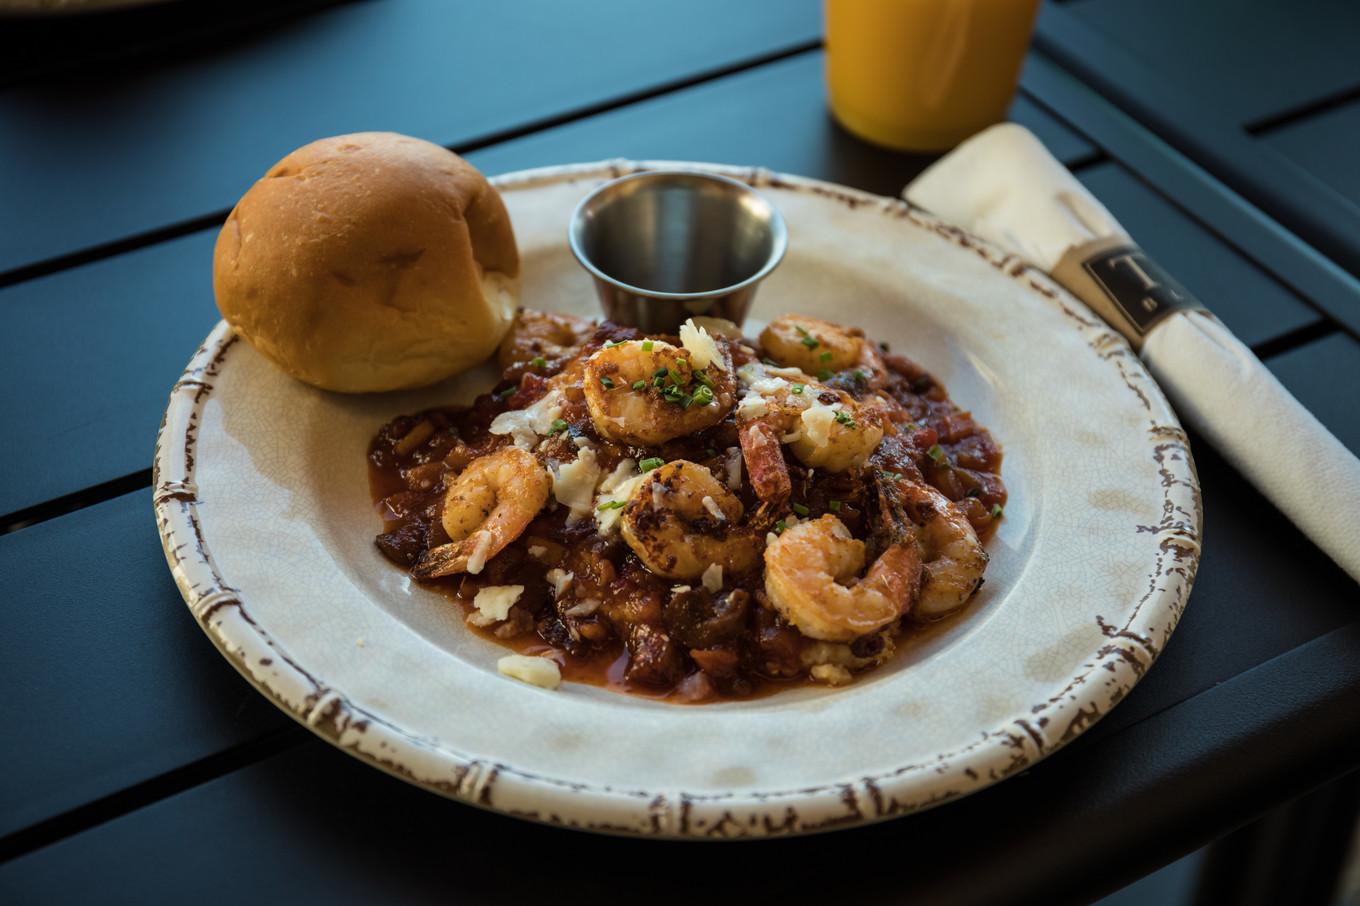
(890, 522)
(765, 462)
(444, 560)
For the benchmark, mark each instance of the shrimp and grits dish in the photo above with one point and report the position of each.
(696, 517)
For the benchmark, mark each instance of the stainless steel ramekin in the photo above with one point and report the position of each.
(665, 245)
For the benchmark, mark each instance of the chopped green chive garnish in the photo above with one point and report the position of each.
(936, 452)
(539, 362)
(611, 505)
(558, 426)
(506, 393)
(676, 377)
(834, 506)
(860, 375)
(824, 375)
(703, 396)
(646, 345)
(800, 509)
(660, 372)
(810, 343)
(891, 476)
(825, 357)
(997, 510)
(703, 379)
(779, 527)
(651, 462)
(639, 385)
(610, 344)
(843, 418)
(802, 330)
(973, 492)
(797, 388)
(607, 382)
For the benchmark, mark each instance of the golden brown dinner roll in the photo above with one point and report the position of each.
(371, 261)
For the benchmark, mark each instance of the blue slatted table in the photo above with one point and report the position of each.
(136, 760)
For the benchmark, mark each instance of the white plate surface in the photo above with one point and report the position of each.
(262, 501)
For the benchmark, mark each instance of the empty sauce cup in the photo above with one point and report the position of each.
(666, 245)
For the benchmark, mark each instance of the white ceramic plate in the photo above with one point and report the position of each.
(263, 504)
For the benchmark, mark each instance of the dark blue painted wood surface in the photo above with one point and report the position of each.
(152, 148)
(121, 713)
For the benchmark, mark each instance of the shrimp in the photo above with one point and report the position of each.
(953, 559)
(541, 335)
(646, 392)
(811, 575)
(681, 520)
(824, 428)
(485, 508)
(812, 344)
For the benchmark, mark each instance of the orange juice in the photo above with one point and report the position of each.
(923, 75)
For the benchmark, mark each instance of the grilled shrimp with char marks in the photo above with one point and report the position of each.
(485, 508)
(541, 335)
(812, 576)
(953, 558)
(647, 392)
(824, 428)
(680, 520)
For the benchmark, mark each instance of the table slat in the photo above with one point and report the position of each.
(96, 157)
(1249, 301)
(1325, 145)
(1249, 63)
(132, 321)
(108, 680)
(313, 824)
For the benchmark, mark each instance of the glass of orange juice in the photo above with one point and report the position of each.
(923, 75)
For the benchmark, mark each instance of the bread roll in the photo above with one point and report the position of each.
(371, 261)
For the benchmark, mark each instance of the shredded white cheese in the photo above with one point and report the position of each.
(712, 578)
(752, 405)
(537, 551)
(536, 671)
(703, 350)
(679, 589)
(560, 579)
(584, 608)
(713, 509)
(493, 604)
(525, 426)
(574, 484)
(734, 468)
(608, 519)
(625, 470)
(817, 421)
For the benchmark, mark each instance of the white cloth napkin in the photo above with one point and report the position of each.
(1005, 187)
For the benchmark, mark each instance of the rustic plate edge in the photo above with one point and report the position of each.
(1017, 744)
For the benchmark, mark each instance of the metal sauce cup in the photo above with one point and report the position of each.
(666, 245)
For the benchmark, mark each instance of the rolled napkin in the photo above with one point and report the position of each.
(1004, 186)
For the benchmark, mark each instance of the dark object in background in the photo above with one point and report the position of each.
(44, 47)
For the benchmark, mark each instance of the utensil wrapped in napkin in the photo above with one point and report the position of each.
(1005, 187)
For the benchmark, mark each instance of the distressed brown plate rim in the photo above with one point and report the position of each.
(1126, 652)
